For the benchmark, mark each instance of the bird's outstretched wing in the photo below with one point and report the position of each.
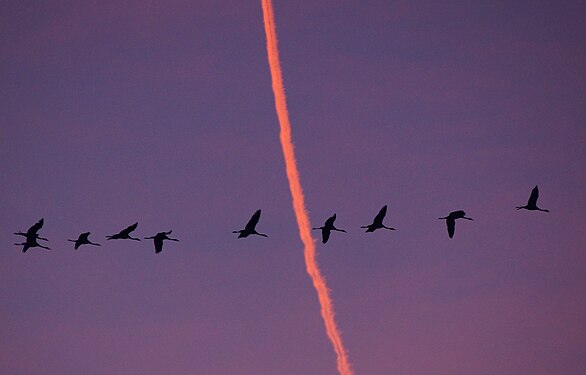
(533, 197)
(457, 214)
(325, 235)
(129, 229)
(35, 228)
(330, 221)
(158, 244)
(381, 215)
(451, 224)
(252, 222)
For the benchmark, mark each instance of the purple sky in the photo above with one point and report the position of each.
(162, 113)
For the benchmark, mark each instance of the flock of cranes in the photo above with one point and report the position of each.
(32, 236)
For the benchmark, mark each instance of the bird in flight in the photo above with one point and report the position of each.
(124, 234)
(31, 242)
(377, 223)
(451, 220)
(83, 240)
(327, 228)
(32, 237)
(532, 202)
(33, 231)
(250, 227)
(158, 239)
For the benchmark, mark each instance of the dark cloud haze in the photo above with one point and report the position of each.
(162, 113)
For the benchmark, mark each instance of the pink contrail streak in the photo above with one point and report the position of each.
(327, 309)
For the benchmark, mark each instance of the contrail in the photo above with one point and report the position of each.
(327, 309)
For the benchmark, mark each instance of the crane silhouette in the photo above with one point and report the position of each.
(124, 234)
(158, 239)
(377, 223)
(532, 202)
(328, 227)
(83, 240)
(250, 227)
(451, 220)
(32, 237)
(33, 231)
(31, 241)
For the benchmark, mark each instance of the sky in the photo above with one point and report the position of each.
(162, 113)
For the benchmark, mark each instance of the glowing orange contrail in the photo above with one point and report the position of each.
(327, 309)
